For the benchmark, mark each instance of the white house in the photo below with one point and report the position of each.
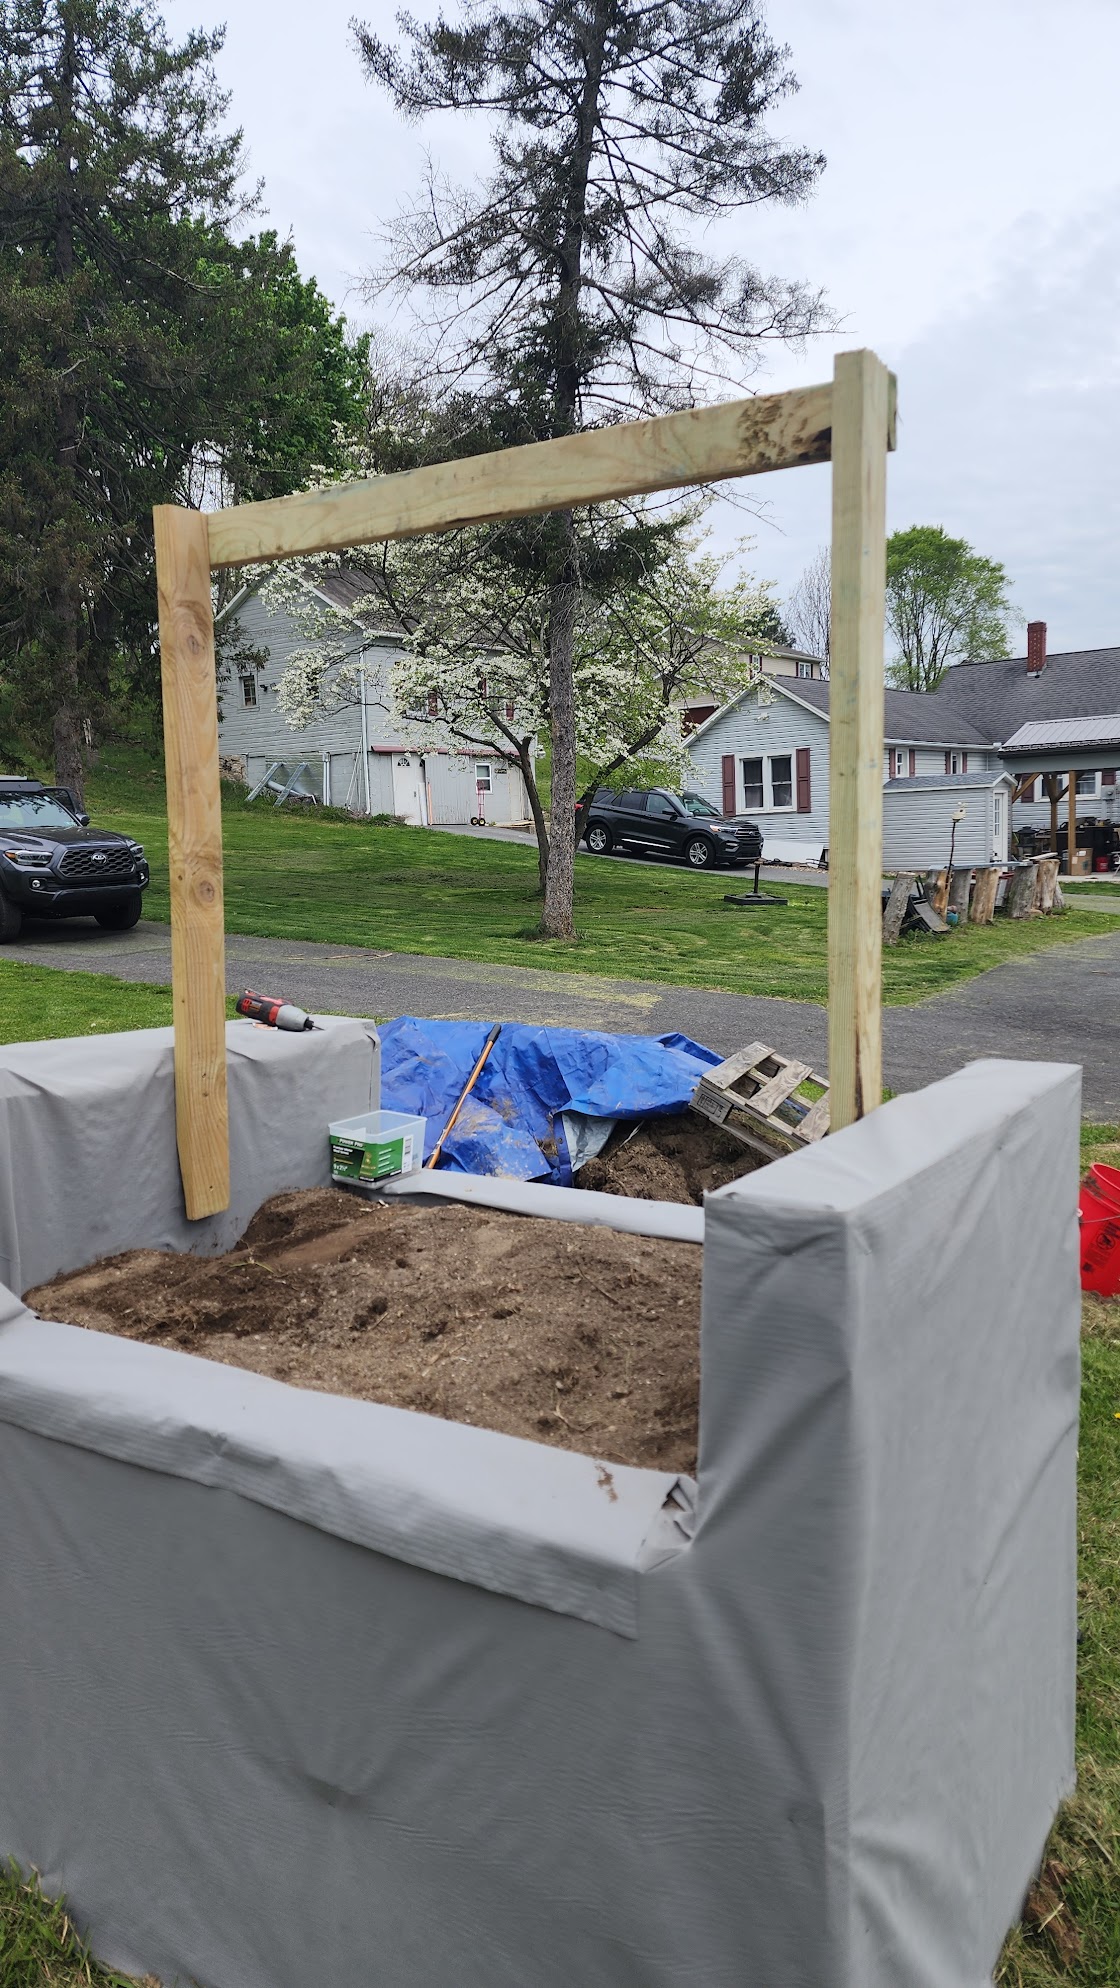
(766, 754)
(983, 742)
(354, 757)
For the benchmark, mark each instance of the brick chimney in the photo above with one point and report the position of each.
(1036, 647)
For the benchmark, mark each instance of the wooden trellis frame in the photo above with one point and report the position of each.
(850, 423)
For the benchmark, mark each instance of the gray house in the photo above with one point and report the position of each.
(354, 757)
(983, 742)
(766, 754)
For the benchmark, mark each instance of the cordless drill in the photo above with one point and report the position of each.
(271, 1013)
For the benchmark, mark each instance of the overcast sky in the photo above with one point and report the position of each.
(967, 227)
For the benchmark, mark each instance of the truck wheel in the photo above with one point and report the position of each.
(599, 839)
(699, 853)
(11, 920)
(121, 917)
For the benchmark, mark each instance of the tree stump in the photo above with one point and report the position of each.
(1047, 886)
(895, 909)
(937, 890)
(1021, 891)
(983, 906)
(960, 889)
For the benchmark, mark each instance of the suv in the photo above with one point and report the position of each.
(54, 865)
(653, 822)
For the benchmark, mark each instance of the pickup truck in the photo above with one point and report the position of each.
(54, 865)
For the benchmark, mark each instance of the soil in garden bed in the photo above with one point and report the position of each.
(669, 1159)
(565, 1334)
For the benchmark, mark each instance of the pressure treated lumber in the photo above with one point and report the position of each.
(702, 445)
(194, 823)
(982, 909)
(861, 420)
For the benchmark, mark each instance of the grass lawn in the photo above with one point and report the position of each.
(322, 876)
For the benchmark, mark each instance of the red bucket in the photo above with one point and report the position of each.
(1100, 1192)
(1100, 1255)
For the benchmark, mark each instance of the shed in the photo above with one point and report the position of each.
(918, 819)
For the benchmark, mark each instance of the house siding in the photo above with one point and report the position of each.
(747, 730)
(332, 743)
(918, 826)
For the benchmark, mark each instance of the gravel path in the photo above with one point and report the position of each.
(1061, 1005)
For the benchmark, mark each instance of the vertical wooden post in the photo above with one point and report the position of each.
(194, 823)
(862, 397)
(1071, 821)
(1052, 791)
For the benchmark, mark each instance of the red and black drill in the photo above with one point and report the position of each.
(272, 1013)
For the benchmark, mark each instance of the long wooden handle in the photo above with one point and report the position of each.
(464, 1094)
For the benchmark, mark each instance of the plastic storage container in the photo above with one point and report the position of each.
(376, 1145)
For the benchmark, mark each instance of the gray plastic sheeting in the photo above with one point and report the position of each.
(88, 1164)
(260, 1754)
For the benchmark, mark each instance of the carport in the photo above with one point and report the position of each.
(1057, 751)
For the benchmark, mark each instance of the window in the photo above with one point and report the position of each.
(509, 711)
(482, 775)
(433, 703)
(695, 804)
(956, 762)
(896, 763)
(249, 691)
(633, 800)
(754, 793)
(768, 782)
(661, 806)
(804, 669)
(1088, 783)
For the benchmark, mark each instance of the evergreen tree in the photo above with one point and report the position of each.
(138, 342)
(572, 284)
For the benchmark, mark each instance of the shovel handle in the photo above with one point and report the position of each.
(464, 1094)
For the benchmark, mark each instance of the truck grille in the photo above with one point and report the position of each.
(97, 866)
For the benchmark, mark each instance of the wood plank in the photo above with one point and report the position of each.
(727, 1073)
(194, 825)
(894, 911)
(711, 1104)
(779, 1088)
(701, 445)
(816, 1121)
(982, 909)
(861, 419)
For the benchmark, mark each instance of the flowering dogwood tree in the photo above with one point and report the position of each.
(475, 664)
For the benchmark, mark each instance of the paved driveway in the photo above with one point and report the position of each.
(1060, 1005)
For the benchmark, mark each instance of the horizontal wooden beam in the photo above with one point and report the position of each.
(703, 445)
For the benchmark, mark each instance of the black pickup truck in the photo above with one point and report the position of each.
(54, 865)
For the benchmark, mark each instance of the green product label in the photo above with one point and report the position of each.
(370, 1159)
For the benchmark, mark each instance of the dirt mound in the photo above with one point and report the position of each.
(668, 1159)
(562, 1333)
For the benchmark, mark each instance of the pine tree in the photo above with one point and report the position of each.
(138, 342)
(572, 284)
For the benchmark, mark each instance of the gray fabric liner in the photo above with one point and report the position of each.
(255, 1754)
(671, 1220)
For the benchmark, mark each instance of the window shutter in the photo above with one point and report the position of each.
(913, 762)
(964, 762)
(947, 768)
(804, 795)
(1108, 777)
(729, 783)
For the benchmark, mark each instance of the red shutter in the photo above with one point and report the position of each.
(729, 783)
(804, 796)
(913, 762)
(964, 762)
(1108, 777)
(946, 762)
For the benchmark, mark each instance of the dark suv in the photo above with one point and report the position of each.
(54, 865)
(653, 822)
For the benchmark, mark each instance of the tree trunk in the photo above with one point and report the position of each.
(69, 745)
(959, 889)
(558, 920)
(1021, 891)
(69, 755)
(982, 908)
(528, 774)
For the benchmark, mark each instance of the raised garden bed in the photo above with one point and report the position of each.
(581, 1337)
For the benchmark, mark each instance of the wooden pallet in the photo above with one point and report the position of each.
(751, 1095)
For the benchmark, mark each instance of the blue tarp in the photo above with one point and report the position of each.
(512, 1123)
